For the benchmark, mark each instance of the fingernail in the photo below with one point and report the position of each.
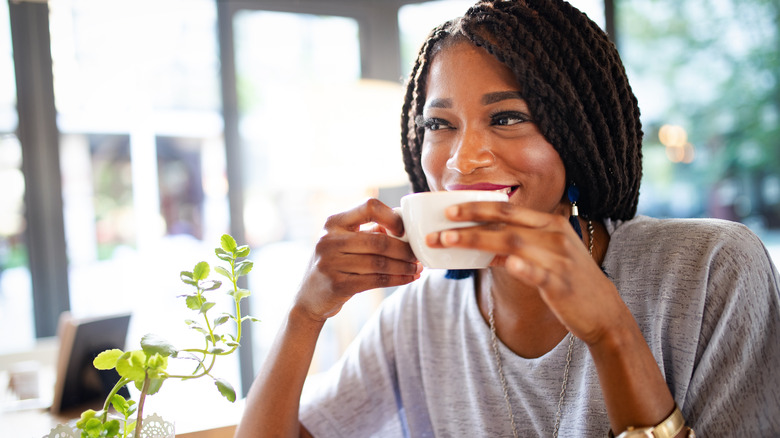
(452, 211)
(449, 237)
(516, 263)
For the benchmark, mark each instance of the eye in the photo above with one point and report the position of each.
(509, 118)
(432, 123)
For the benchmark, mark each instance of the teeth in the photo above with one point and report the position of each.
(505, 190)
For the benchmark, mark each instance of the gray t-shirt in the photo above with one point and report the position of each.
(704, 293)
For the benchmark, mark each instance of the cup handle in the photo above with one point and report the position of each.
(404, 237)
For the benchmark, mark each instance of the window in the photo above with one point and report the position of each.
(707, 79)
(16, 310)
(142, 154)
(307, 119)
(417, 19)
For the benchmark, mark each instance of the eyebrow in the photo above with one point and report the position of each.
(499, 96)
(439, 103)
(487, 99)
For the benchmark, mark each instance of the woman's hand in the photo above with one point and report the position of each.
(543, 251)
(348, 260)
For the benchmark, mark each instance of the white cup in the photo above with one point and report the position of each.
(423, 213)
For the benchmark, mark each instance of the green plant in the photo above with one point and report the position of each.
(147, 367)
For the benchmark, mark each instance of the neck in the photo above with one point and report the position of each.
(523, 321)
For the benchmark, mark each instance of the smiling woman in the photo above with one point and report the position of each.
(589, 319)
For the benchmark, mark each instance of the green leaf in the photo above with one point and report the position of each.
(206, 306)
(186, 277)
(131, 365)
(240, 294)
(156, 365)
(228, 243)
(112, 428)
(226, 389)
(201, 271)
(222, 271)
(93, 427)
(244, 267)
(232, 344)
(120, 404)
(242, 251)
(106, 360)
(221, 320)
(210, 284)
(152, 344)
(199, 329)
(190, 321)
(155, 385)
(194, 302)
(222, 255)
(251, 318)
(85, 416)
(216, 350)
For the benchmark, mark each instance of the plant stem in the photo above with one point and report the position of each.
(122, 382)
(139, 420)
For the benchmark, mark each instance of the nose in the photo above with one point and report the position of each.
(471, 152)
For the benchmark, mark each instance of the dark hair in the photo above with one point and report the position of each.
(574, 83)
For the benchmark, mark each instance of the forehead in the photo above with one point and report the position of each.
(464, 67)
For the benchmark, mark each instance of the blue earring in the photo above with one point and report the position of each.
(574, 195)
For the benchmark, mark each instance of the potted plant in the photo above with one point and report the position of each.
(147, 368)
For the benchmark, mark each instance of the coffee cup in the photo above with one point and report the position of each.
(423, 213)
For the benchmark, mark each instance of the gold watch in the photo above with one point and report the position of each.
(669, 428)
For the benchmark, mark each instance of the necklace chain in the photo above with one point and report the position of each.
(497, 354)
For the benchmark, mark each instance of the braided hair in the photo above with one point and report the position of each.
(574, 83)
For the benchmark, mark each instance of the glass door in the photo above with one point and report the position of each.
(16, 307)
(316, 139)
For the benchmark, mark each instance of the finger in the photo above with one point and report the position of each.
(536, 274)
(364, 282)
(373, 264)
(365, 243)
(503, 239)
(372, 210)
(501, 212)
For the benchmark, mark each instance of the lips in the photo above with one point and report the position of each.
(509, 190)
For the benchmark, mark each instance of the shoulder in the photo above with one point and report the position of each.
(701, 238)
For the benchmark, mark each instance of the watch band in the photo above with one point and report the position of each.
(669, 428)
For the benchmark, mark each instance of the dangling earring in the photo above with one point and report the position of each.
(574, 195)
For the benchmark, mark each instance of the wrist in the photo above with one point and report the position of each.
(620, 336)
(300, 317)
(671, 427)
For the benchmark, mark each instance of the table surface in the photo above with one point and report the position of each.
(37, 422)
(197, 410)
(195, 406)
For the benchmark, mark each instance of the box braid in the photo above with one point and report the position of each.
(574, 83)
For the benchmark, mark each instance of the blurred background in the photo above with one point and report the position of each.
(133, 133)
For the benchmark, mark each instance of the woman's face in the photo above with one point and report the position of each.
(480, 134)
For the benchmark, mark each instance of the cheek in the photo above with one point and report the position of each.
(433, 163)
(553, 172)
(540, 159)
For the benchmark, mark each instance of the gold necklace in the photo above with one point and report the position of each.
(497, 353)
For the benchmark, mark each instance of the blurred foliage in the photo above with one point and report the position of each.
(712, 67)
